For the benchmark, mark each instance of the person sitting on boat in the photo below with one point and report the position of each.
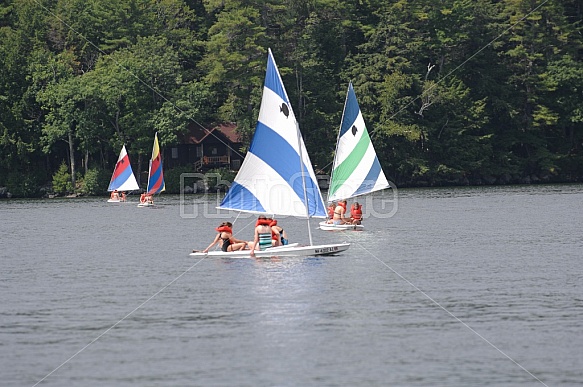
(114, 195)
(339, 214)
(143, 198)
(331, 209)
(356, 213)
(278, 234)
(229, 242)
(262, 239)
(149, 199)
(123, 196)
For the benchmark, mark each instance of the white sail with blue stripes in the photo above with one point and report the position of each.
(356, 170)
(276, 176)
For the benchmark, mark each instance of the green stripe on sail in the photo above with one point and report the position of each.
(345, 169)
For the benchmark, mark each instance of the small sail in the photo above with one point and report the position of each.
(155, 173)
(356, 170)
(271, 178)
(123, 178)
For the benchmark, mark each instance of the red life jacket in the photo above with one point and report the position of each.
(224, 229)
(331, 211)
(356, 214)
(263, 222)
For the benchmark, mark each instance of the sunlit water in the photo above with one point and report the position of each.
(462, 286)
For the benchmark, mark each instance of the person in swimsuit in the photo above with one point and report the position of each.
(278, 234)
(229, 242)
(339, 214)
(262, 239)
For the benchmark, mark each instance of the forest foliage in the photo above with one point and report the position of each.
(453, 91)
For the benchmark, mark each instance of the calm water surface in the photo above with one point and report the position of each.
(462, 287)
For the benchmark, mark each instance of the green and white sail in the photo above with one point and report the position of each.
(356, 170)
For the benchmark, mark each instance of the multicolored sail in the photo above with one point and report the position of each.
(356, 170)
(155, 173)
(123, 178)
(276, 176)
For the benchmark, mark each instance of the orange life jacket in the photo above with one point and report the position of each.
(331, 211)
(224, 229)
(263, 222)
(356, 213)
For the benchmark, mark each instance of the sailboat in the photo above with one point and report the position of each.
(276, 177)
(123, 178)
(356, 170)
(155, 175)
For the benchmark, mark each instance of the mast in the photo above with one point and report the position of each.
(304, 182)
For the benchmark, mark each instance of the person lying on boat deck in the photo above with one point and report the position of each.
(229, 242)
(262, 239)
(114, 195)
(356, 213)
(277, 234)
(339, 214)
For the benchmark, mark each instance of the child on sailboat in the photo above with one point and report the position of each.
(229, 242)
(356, 213)
(263, 234)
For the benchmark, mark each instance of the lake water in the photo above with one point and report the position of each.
(461, 287)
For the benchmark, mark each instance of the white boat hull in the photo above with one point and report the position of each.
(340, 227)
(280, 251)
(145, 204)
(113, 201)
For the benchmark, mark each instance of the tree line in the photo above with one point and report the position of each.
(453, 91)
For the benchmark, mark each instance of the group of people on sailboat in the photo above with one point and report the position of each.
(267, 234)
(146, 198)
(115, 195)
(337, 213)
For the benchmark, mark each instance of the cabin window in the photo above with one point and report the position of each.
(199, 151)
(174, 153)
(214, 150)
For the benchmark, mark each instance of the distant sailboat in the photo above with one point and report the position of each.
(123, 178)
(155, 175)
(276, 177)
(356, 170)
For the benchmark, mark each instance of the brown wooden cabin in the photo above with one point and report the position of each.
(205, 149)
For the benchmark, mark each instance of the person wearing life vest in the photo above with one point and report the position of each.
(356, 213)
(331, 209)
(143, 198)
(339, 216)
(278, 234)
(225, 235)
(262, 237)
(114, 195)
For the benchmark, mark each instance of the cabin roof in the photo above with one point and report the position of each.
(196, 134)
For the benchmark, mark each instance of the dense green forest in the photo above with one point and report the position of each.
(453, 91)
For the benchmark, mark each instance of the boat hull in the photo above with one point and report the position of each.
(340, 227)
(146, 205)
(113, 201)
(280, 251)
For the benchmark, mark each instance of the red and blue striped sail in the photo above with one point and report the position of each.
(123, 178)
(155, 174)
(276, 176)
